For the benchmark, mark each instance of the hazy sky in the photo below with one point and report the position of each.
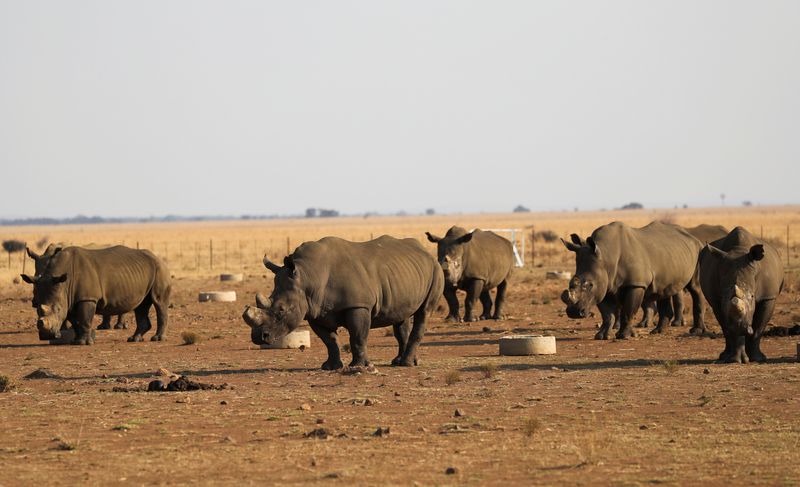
(190, 107)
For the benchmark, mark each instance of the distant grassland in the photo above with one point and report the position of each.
(189, 247)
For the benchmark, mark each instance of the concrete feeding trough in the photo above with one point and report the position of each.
(527, 345)
(295, 339)
(558, 275)
(231, 277)
(217, 296)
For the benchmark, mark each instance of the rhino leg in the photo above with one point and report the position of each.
(677, 309)
(142, 320)
(761, 317)
(409, 358)
(631, 302)
(357, 322)
(161, 321)
(106, 323)
(486, 302)
(647, 315)
(500, 300)
(82, 315)
(474, 289)
(452, 305)
(608, 310)
(738, 353)
(698, 309)
(121, 323)
(328, 337)
(401, 332)
(664, 315)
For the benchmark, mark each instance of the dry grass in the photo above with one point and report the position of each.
(452, 377)
(6, 384)
(488, 370)
(531, 426)
(671, 366)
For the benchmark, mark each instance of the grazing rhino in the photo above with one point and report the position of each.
(77, 283)
(704, 233)
(741, 277)
(623, 267)
(475, 262)
(358, 285)
(40, 263)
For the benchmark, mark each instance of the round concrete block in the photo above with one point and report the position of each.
(527, 345)
(295, 339)
(217, 296)
(231, 277)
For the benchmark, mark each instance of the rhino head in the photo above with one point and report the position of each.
(50, 300)
(275, 317)
(589, 284)
(450, 252)
(737, 275)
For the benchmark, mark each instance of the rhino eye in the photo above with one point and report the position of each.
(588, 286)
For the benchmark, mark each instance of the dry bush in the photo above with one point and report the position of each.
(531, 426)
(671, 366)
(190, 338)
(546, 236)
(452, 377)
(6, 384)
(488, 370)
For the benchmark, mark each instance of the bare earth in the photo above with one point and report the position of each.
(649, 410)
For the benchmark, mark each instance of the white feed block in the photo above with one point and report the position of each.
(231, 277)
(527, 345)
(217, 296)
(295, 339)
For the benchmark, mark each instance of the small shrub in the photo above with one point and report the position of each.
(531, 426)
(123, 427)
(488, 370)
(671, 366)
(452, 377)
(190, 338)
(6, 384)
(546, 235)
(65, 445)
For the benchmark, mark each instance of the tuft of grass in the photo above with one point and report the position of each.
(65, 445)
(6, 384)
(671, 366)
(452, 377)
(488, 370)
(190, 337)
(123, 427)
(531, 426)
(546, 300)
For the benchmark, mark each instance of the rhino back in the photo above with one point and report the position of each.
(661, 258)
(707, 233)
(391, 277)
(489, 257)
(117, 278)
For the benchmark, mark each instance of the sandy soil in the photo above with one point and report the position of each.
(649, 410)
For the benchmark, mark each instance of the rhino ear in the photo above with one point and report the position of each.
(59, 279)
(272, 267)
(465, 238)
(575, 239)
(33, 255)
(28, 279)
(756, 252)
(288, 262)
(570, 246)
(592, 245)
(433, 238)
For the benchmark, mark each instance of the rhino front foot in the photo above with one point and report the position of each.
(158, 338)
(332, 365)
(677, 322)
(736, 356)
(485, 316)
(697, 331)
(625, 333)
(104, 326)
(657, 330)
(452, 319)
(404, 362)
(601, 335)
(86, 340)
(136, 338)
(469, 319)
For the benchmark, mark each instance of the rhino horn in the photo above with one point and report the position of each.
(262, 301)
(737, 291)
(252, 316)
(738, 305)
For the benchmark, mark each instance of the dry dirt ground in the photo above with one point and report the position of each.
(649, 410)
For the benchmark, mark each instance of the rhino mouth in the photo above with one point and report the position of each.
(575, 312)
(48, 334)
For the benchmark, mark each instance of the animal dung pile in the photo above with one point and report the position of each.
(527, 345)
(180, 384)
(231, 277)
(297, 339)
(558, 275)
(217, 296)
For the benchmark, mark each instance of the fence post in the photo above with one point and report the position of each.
(288, 246)
(533, 246)
(787, 246)
(210, 254)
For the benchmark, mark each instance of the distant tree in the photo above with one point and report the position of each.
(521, 209)
(632, 206)
(325, 213)
(430, 211)
(747, 203)
(311, 212)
